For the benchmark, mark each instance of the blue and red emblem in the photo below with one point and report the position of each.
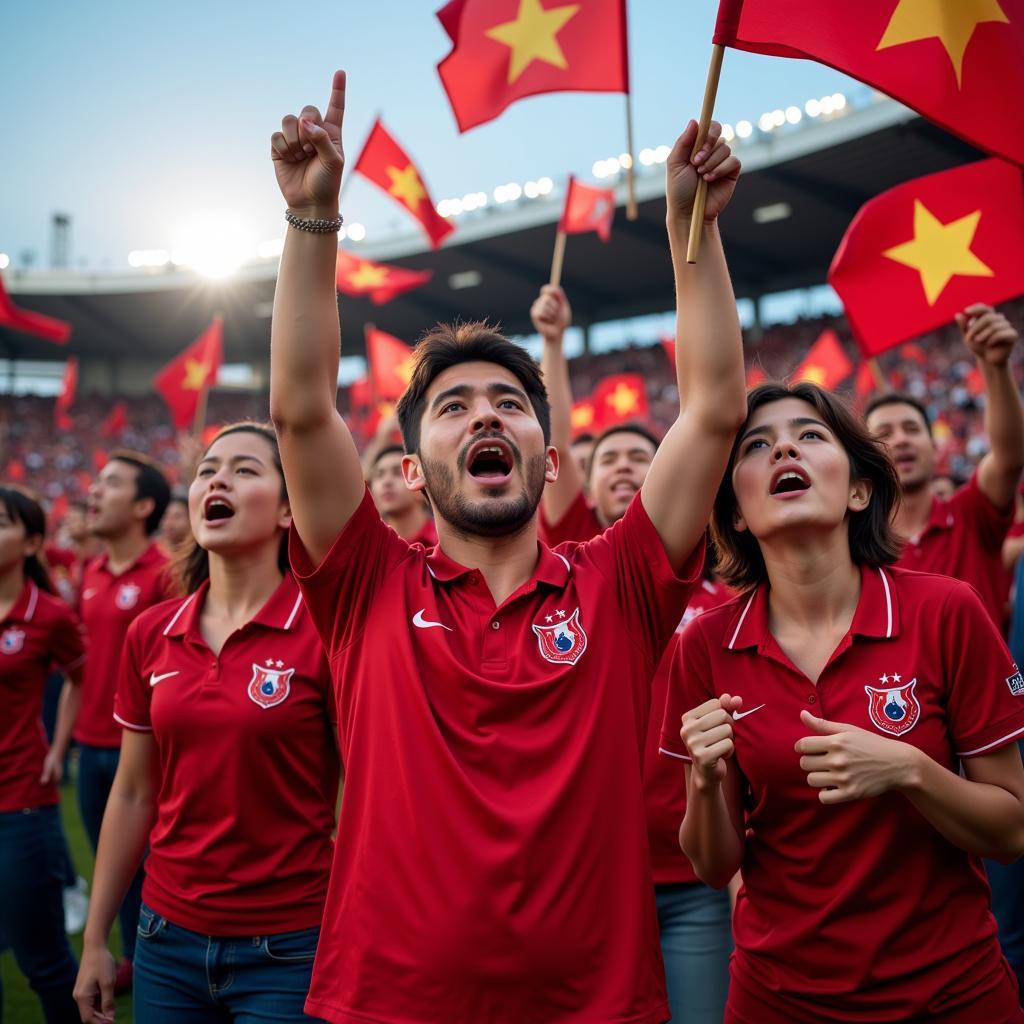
(12, 640)
(893, 709)
(127, 596)
(270, 686)
(561, 639)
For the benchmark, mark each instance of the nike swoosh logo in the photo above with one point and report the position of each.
(743, 714)
(90, 592)
(154, 678)
(418, 620)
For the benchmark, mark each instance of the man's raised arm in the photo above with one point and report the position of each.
(321, 464)
(684, 476)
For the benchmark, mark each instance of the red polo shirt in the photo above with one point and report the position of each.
(964, 539)
(39, 634)
(248, 765)
(860, 911)
(493, 863)
(108, 606)
(427, 535)
(579, 523)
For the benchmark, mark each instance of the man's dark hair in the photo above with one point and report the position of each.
(448, 345)
(585, 438)
(873, 541)
(388, 449)
(149, 483)
(180, 496)
(621, 428)
(895, 398)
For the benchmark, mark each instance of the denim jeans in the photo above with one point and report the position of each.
(96, 769)
(32, 908)
(696, 942)
(182, 977)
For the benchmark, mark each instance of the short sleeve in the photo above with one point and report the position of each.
(689, 686)
(985, 689)
(67, 646)
(650, 595)
(133, 695)
(342, 589)
(579, 523)
(986, 522)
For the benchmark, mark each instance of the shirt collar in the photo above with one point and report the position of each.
(552, 568)
(281, 611)
(877, 613)
(25, 607)
(152, 555)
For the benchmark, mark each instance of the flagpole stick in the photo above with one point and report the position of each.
(199, 422)
(371, 377)
(710, 92)
(558, 259)
(876, 371)
(631, 209)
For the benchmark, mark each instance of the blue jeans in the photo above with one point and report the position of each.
(182, 977)
(32, 908)
(96, 769)
(696, 942)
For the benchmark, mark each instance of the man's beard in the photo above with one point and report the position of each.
(484, 518)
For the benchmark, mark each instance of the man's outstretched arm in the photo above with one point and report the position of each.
(321, 464)
(685, 474)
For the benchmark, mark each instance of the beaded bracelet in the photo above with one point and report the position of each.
(317, 225)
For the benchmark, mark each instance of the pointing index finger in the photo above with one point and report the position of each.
(336, 104)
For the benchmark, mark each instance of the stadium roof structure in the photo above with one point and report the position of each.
(799, 191)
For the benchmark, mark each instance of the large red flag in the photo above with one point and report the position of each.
(380, 281)
(390, 363)
(115, 421)
(583, 417)
(924, 250)
(960, 63)
(30, 322)
(66, 398)
(389, 167)
(188, 376)
(826, 363)
(620, 397)
(587, 209)
(503, 50)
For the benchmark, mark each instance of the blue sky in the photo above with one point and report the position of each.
(149, 121)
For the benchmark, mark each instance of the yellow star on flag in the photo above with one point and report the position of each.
(195, 375)
(582, 417)
(404, 370)
(939, 251)
(951, 21)
(814, 375)
(407, 187)
(533, 36)
(367, 275)
(623, 399)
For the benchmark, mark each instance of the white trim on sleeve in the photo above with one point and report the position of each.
(991, 746)
(132, 725)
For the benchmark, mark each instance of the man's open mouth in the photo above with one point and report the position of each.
(489, 461)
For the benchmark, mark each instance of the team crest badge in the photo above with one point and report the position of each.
(893, 709)
(561, 640)
(12, 640)
(127, 596)
(269, 686)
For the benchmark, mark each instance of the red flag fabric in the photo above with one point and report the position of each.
(390, 362)
(389, 167)
(380, 281)
(115, 421)
(755, 376)
(826, 363)
(669, 345)
(58, 510)
(914, 353)
(621, 397)
(864, 382)
(99, 458)
(957, 62)
(587, 209)
(184, 380)
(504, 50)
(29, 322)
(66, 398)
(15, 471)
(360, 397)
(924, 250)
(583, 417)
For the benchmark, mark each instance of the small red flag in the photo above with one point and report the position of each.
(58, 509)
(360, 397)
(66, 398)
(388, 166)
(30, 322)
(621, 397)
(914, 353)
(115, 421)
(583, 417)
(826, 363)
(755, 376)
(669, 345)
(917, 254)
(99, 458)
(189, 375)
(588, 209)
(380, 281)
(15, 471)
(390, 362)
(864, 382)
(504, 50)
(956, 62)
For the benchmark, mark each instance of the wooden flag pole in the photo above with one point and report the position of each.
(631, 209)
(199, 421)
(371, 377)
(881, 382)
(710, 92)
(558, 259)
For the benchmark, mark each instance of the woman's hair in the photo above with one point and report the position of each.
(191, 567)
(873, 541)
(25, 508)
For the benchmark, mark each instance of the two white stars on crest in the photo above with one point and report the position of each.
(551, 618)
(274, 664)
(884, 679)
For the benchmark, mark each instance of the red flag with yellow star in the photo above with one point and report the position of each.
(924, 250)
(587, 209)
(389, 167)
(30, 322)
(390, 363)
(583, 417)
(504, 50)
(380, 281)
(826, 363)
(188, 376)
(960, 63)
(620, 397)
